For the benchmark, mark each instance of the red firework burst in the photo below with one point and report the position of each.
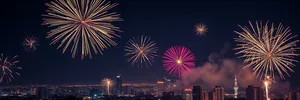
(178, 61)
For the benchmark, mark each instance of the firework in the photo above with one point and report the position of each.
(267, 49)
(107, 82)
(178, 61)
(267, 83)
(84, 24)
(30, 43)
(141, 51)
(8, 67)
(201, 29)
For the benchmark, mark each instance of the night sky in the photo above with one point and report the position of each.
(168, 24)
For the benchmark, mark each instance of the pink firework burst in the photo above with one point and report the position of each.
(178, 61)
(30, 43)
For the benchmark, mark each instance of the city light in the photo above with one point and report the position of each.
(188, 89)
(160, 82)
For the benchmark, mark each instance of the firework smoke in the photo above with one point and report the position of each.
(221, 71)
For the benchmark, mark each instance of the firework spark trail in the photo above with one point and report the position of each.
(30, 43)
(107, 82)
(141, 51)
(201, 29)
(267, 83)
(84, 24)
(7, 66)
(178, 61)
(267, 49)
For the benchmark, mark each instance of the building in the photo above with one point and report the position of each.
(298, 95)
(168, 96)
(212, 95)
(178, 91)
(42, 93)
(119, 84)
(187, 94)
(254, 93)
(167, 82)
(160, 88)
(293, 95)
(197, 92)
(128, 89)
(235, 88)
(219, 92)
(204, 95)
(33, 91)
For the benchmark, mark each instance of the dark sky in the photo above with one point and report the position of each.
(168, 23)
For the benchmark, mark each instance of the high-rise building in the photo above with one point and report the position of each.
(236, 88)
(74, 91)
(119, 84)
(298, 95)
(212, 95)
(187, 94)
(160, 88)
(254, 93)
(204, 95)
(292, 95)
(42, 93)
(167, 82)
(33, 91)
(220, 92)
(197, 92)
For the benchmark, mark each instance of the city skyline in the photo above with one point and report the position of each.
(167, 26)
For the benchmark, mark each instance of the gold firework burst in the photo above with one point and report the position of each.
(141, 51)
(107, 83)
(84, 24)
(267, 49)
(201, 29)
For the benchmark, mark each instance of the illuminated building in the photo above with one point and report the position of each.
(236, 88)
(160, 88)
(298, 95)
(220, 92)
(254, 93)
(33, 91)
(204, 95)
(187, 94)
(212, 95)
(119, 84)
(167, 82)
(197, 92)
(292, 95)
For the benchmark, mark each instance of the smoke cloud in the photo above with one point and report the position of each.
(222, 71)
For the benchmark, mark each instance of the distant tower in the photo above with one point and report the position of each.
(219, 92)
(119, 84)
(197, 92)
(236, 87)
